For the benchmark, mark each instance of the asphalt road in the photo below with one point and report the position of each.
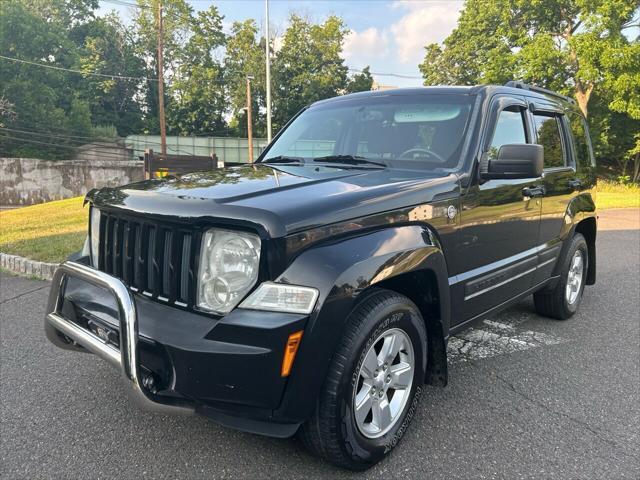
(564, 403)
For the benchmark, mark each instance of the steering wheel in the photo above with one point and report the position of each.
(423, 150)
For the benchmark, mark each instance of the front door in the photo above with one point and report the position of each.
(496, 257)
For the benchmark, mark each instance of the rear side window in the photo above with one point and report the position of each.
(509, 129)
(550, 137)
(581, 139)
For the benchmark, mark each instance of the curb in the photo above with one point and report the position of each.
(26, 267)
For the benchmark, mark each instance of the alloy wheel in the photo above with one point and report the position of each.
(384, 383)
(575, 277)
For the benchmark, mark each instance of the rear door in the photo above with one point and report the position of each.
(496, 256)
(558, 179)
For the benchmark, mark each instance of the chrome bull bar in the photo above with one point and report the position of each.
(126, 358)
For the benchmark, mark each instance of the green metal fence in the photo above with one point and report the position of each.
(228, 149)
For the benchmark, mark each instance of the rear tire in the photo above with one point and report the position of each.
(368, 401)
(563, 300)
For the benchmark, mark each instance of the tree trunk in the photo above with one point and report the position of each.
(582, 97)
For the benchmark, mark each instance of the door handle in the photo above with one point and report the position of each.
(534, 191)
(575, 184)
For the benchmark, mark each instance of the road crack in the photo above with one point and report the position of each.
(573, 420)
(20, 295)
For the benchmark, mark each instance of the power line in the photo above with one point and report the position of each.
(48, 134)
(104, 153)
(384, 74)
(124, 77)
(71, 70)
(94, 74)
(172, 14)
(126, 4)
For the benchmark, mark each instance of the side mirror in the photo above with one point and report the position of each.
(517, 160)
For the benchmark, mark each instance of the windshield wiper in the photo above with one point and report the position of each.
(284, 159)
(348, 160)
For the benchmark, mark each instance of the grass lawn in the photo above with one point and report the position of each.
(48, 232)
(617, 195)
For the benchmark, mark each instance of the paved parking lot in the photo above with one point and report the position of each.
(528, 398)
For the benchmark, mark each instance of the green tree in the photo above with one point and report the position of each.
(308, 67)
(45, 100)
(67, 13)
(245, 56)
(107, 47)
(360, 82)
(197, 91)
(177, 22)
(581, 48)
(563, 44)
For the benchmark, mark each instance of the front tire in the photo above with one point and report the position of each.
(373, 384)
(563, 300)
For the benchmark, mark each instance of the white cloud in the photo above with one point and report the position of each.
(423, 23)
(366, 45)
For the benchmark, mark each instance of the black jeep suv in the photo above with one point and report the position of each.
(314, 291)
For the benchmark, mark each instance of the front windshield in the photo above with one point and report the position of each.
(413, 131)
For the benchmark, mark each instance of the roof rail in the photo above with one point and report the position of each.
(534, 88)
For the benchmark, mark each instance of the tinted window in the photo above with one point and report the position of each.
(581, 139)
(549, 136)
(509, 129)
(426, 130)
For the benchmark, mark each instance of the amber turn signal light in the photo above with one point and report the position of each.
(290, 350)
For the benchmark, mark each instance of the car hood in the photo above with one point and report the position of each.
(279, 200)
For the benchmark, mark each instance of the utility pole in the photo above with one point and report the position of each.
(249, 122)
(268, 58)
(163, 127)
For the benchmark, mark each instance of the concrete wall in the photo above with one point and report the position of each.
(96, 151)
(27, 181)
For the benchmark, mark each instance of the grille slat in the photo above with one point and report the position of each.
(127, 256)
(184, 268)
(108, 242)
(149, 257)
(117, 246)
(138, 264)
(166, 264)
(151, 262)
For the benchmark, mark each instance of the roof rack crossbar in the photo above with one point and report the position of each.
(535, 88)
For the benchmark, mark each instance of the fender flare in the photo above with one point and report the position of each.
(580, 211)
(343, 270)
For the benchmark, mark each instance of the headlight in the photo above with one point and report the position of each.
(94, 235)
(229, 263)
(280, 297)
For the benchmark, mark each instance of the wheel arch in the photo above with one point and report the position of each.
(345, 271)
(580, 217)
(421, 287)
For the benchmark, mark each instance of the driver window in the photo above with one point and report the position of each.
(510, 128)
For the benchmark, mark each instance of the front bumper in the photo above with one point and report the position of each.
(176, 361)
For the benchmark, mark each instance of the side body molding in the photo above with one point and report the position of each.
(342, 270)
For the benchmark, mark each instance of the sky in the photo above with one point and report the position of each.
(389, 36)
